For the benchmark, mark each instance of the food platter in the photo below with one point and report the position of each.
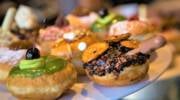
(87, 90)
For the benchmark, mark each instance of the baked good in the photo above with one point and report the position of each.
(40, 78)
(118, 63)
(8, 59)
(71, 46)
(47, 37)
(138, 29)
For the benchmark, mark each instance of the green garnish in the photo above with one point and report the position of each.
(34, 63)
(102, 24)
(52, 65)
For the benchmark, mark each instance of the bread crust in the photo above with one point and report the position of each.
(134, 27)
(45, 87)
(4, 71)
(128, 76)
(70, 51)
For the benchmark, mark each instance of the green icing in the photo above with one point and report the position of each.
(52, 65)
(27, 64)
(103, 23)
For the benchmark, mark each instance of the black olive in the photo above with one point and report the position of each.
(32, 53)
(103, 12)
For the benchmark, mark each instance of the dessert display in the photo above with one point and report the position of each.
(8, 59)
(39, 77)
(98, 46)
(119, 62)
(72, 44)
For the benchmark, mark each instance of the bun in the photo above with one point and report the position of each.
(46, 87)
(70, 51)
(129, 75)
(4, 71)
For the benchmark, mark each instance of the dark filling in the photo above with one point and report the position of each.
(114, 60)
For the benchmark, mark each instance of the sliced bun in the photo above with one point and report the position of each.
(70, 51)
(129, 75)
(4, 71)
(45, 87)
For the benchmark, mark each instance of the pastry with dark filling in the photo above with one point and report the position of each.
(117, 63)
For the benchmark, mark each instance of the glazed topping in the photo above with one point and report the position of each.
(114, 60)
(32, 53)
(51, 65)
(34, 63)
(69, 36)
(94, 51)
(103, 23)
(103, 12)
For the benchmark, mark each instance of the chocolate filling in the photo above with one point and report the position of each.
(114, 60)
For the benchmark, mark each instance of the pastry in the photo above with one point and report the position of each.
(8, 59)
(119, 63)
(138, 29)
(40, 78)
(72, 44)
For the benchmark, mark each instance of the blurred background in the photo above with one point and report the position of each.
(166, 13)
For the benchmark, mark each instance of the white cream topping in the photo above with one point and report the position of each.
(11, 57)
(25, 17)
(82, 46)
(119, 28)
(89, 19)
(69, 36)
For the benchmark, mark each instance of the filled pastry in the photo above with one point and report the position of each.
(119, 61)
(39, 78)
(72, 44)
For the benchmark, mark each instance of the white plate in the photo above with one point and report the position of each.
(87, 90)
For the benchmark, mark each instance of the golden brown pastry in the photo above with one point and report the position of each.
(138, 29)
(9, 58)
(72, 45)
(40, 78)
(119, 63)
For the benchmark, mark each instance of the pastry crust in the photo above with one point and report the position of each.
(4, 71)
(134, 27)
(129, 75)
(45, 87)
(69, 51)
